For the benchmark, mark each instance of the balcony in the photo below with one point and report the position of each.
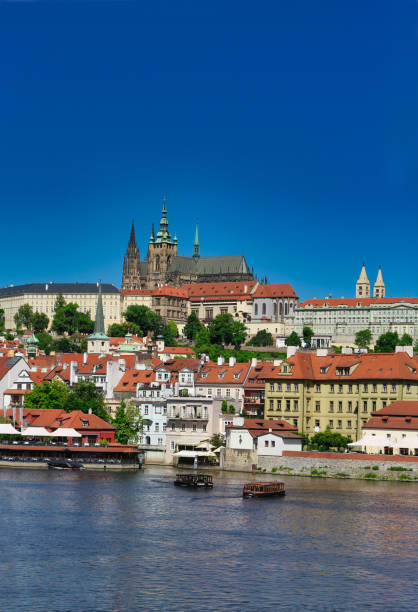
(188, 416)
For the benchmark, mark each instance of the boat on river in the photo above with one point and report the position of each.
(64, 464)
(203, 481)
(263, 489)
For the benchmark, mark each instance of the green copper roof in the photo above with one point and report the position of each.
(196, 249)
(128, 346)
(99, 328)
(32, 340)
(163, 234)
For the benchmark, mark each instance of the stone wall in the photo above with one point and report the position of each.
(236, 460)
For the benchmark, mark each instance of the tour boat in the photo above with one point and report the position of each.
(194, 480)
(263, 489)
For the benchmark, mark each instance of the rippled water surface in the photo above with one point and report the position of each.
(93, 542)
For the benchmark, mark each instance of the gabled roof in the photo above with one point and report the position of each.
(228, 290)
(398, 415)
(131, 378)
(225, 374)
(274, 291)
(260, 427)
(7, 363)
(258, 374)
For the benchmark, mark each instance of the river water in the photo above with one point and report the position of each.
(99, 541)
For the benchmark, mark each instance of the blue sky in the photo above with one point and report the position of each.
(288, 129)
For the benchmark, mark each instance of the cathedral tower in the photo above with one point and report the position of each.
(131, 275)
(161, 250)
(363, 284)
(379, 286)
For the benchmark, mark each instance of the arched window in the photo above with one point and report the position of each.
(168, 260)
(291, 306)
(256, 309)
(275, 308)
(280, 308)
(286, 308)
(264, 309)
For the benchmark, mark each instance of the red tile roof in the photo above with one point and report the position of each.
(382, 366)
(398, 415)
(354, 301)
(179, 350)
(260, 427)
(131, 378)
(272, 291)
(220, 291)
(223, 374)
(258, 374)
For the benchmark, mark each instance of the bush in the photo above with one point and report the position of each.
(274, 470)
(342, 475)
(375, 467)
(317, 473)
(399, 469)
(231, 409)
(404, 477)
(370, 475)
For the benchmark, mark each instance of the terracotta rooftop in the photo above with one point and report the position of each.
(332, 302)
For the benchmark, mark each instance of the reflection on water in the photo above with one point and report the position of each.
(92, 542)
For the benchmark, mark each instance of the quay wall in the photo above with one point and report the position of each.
(326, 465)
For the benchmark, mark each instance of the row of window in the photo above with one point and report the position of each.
(350, 388)
(286, 405)
(183, 427)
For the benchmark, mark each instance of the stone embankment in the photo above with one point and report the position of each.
(326, 465)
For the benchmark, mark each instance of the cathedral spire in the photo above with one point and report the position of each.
(163, 234)
(196, 248)
(131, 275)
(132, 236)
(363, 284)
(379, 286)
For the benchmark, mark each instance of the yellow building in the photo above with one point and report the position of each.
(314, 391)
(42, 297)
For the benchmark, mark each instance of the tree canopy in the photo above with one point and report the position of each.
(51, 394)
(40, 322)
(128, 423)
(144, 318)
(85, 396)
(119, 330)
(386, 343)
(192, 327)
(2, 318)
(24, 316)
(328, 439)
(68, 319)
(262, 338)
(171, 333)
(293, 339)
(406, 340)
(363, 338)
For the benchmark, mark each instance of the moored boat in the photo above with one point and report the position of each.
(194, 480)
(263, 489)
(64, 464)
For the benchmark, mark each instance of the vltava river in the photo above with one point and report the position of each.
(105, 542)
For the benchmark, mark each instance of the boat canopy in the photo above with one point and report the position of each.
(66, 432)
(371, 440)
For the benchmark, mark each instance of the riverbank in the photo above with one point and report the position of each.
(326, 465)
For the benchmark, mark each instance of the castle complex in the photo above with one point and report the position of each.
(163, 265)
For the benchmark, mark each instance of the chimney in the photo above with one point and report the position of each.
(291, 350)
(46, 287)
(73, 373)
(122, 365)
(176, 388)
(220, 361)
(232, 362)
(409, 350)
(270, 430)
(85, 357)
(277, 362)
(253, 362)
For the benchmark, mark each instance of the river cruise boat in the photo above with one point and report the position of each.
(263, 489)
(64, 464)
(204, 481)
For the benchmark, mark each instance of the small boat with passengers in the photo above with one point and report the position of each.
(204, 481)
(263, 489)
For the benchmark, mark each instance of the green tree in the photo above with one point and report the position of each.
(406, 340)
(262, 338)
(231, 409)
(2, 318)
(239, 333)
(117, 330)
(293, 339)
(224, 406)
(327, 439)
(24, 316)
(221, 329)
(386, 343)
(46, 342)
(171, 333)
(40, 322)
(59, 302)
(363, 338)
(128, 422)
(307, 334)
(85, 396)
(65, 345)
(85, 323)
(202, 339)
(144, 318)
(68, 319)
(217, 440)
(192, 327)
(51, 394)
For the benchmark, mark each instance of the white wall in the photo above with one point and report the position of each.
(235, 435)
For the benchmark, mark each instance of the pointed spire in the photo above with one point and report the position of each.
(363, 284)
(132, 237)
(196, 248)
(379, 286)
(152, 237)
(99, 326)
(163, 234)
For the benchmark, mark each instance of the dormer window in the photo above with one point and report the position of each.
(85, 423)
(236, 376)
(284, 369)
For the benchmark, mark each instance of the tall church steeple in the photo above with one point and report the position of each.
(363, 284)
(379, 286)
(131, 275)
(196, 248)
(98, 342)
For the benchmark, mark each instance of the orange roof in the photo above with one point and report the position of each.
(260, 427)
(398, 415)
(354, 301)
(175, 365)
(223, 374)
(258, 374)
(180, 292)
(131, 378)
(382, 366)
(220, 291)
(179, 350)
(272, 291)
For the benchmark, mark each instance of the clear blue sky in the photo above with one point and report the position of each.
(289, 129)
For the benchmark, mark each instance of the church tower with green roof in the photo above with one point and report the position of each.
(161, 250)
(98, 342)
